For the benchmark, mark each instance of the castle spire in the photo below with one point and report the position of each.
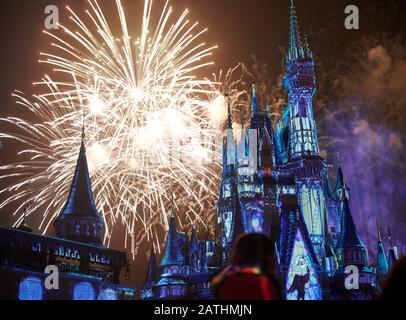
(295, 38)
(392, 250)
(254, 102)
(307, 50)
(152, 271)
(80, 220)
(172, 253)
(349, 240)
(24, 225)
(381, 261)
(83, 129)
(194, 242)
(342, 190)
(229, 113)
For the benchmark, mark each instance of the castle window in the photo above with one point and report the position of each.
(83, 291)
(36, 247)
(108, 294)
(30, 289)
(163, 293)
(302, 108)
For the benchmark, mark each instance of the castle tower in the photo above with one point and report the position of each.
(352, 252)
(393, 251)
(151, 278)
(228, 193)
(173, 268)
(304, 161)
(194, 253)
(341, 190)
(300, 82)
(382, 266)
(80, 220)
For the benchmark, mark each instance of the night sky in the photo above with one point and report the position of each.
(360, 105)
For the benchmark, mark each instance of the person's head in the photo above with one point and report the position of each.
(255, 250)
(394, 286)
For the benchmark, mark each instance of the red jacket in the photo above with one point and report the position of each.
(247, 283)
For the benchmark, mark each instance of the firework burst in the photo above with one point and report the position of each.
(148, 119)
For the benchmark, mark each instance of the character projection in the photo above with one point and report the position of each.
(303, 283)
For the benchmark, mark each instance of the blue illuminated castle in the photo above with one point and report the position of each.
(275, 182)
(87, 269)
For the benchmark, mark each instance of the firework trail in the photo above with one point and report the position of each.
(148, 119)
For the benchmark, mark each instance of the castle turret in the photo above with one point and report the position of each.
(80, 220)
(382, 266)
(194, 253)
(304, 160)
(352, 253)
(351, 249)
(393, 252)
(151, 278)
(341, 190)
(300, 82)
(24, 226)
(226, 202)
(173, 268)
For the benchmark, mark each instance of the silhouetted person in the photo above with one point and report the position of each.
(395, 287)
(250, 277)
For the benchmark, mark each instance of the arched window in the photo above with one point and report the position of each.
(302, 108)
(30, 289)
(84, 291)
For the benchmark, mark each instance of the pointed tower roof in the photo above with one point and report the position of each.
(152, 270)
(382, 262)
(341, 183)
(349, 237)
(392, 250)
(307, 50)
(80, 203)
(173, 254)
(194, 242)
(79, 219)
(254, 102)
(229, 143)
(295, 38)
(24, 225)
(229, 113)
(328, 189)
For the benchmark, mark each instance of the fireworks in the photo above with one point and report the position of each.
(148, 119)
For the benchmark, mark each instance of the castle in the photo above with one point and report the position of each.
(275, 182)
(87, 269)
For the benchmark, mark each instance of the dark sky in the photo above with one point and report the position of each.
(240, 28)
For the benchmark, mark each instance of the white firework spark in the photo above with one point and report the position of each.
(149, 130)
